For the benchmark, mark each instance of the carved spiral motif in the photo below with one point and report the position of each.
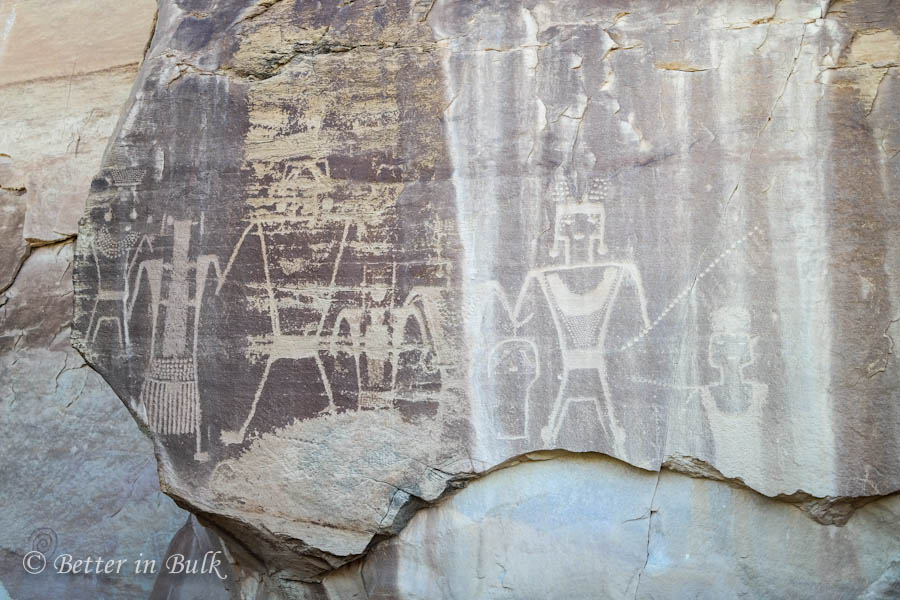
(44, 540)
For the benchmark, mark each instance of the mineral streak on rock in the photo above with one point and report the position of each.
(343, 257)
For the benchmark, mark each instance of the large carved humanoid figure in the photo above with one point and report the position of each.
(586, 295)
(169, 392)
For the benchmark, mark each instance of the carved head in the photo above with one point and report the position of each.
(514, 357)
(729, 342)
(579, 227)
(379, 283)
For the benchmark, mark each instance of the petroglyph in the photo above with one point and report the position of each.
(579, 295)
(463, 233)
(734, 404)
(169, 391)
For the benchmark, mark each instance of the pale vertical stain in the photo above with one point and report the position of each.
(478, 110)
(7, 30)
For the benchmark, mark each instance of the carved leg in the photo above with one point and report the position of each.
(102, 320)
(124, 319)
(237, 437)
(331, 405)
(91, 322)
(359, 385)
(199, 455)
(617, 432)
(550, 431)
(121, 338)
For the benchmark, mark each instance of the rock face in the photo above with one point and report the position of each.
(635, 534)
(76, 475)
(342, 259)
(196, 566)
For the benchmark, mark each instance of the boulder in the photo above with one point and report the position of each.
(562, 525)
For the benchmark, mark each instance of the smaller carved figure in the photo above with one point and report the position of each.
(730, 351)
(512, 369)
(108, 251)
(734, 404)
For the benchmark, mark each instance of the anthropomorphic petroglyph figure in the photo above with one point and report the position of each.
(512, 370)
(734, 404)
(369, 323)
(383, 328)
(730, 352)
(584, 296)
(112, 254)
(169, 391)
(366, 332)
(283, 346)
(379, 334)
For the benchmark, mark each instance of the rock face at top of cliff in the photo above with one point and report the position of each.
(342, 258)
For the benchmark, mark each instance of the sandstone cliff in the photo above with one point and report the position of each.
(76, 475)
(626, 273)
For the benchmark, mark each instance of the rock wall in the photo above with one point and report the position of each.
(341, 259)
(76, 476)
(561, 526)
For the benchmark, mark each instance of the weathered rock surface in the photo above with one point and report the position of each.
(196, 566)
(517, 533)
(76, 476)
(342, 258)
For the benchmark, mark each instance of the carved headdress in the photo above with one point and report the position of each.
(591, 210)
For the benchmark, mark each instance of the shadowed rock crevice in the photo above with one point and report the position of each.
(825, 511)
(31, 245)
